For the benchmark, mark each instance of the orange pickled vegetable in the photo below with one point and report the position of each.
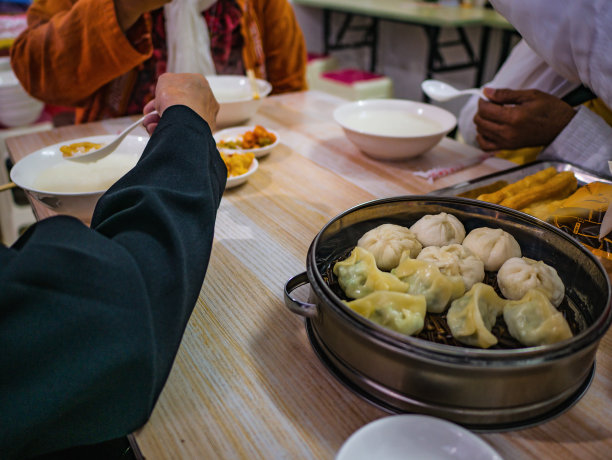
(255, 139)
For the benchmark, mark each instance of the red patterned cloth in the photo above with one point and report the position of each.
(226, 42)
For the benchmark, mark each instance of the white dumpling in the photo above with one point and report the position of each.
(455, 260)
(492, 245)
(438, 230)
(387, 242)
(400, 312)
(471, 317)
(534, 321)
(520, 274)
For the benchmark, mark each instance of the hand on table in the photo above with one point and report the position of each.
(128, 11)
(513, 119)
(188, 89)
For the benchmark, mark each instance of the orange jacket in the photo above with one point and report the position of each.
(74, 53)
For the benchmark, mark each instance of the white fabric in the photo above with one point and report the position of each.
(523, 69)
(187, 37)
(586, 141)
(574, 37)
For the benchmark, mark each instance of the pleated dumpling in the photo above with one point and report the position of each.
(471, 317)
(438, 230)
(424, 278)
(534, 321)
(455, 260)
(400, 312)
(492, 245)
(520, 274)
(358, 275)
(387, 242)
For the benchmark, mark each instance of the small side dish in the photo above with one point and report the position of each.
(254, 139)
(239, 167)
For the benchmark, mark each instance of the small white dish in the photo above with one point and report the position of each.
(415, 437)
(234, 181)
(231, 134)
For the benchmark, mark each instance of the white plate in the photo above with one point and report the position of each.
(235, 133)
(238, 180)
(415, 437)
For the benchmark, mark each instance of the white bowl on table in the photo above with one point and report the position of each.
(235, 97)
(394, 129)
(81, 184)
(415, 437)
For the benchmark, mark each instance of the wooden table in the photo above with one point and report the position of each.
(246, 382)
(432, 17)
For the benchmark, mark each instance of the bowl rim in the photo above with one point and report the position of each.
(448, 353)
(267, 87)
(446, 127)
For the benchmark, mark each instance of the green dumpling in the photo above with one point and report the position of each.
(400, 312)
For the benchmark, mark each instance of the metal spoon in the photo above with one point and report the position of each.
(97, 154)
(440, 91)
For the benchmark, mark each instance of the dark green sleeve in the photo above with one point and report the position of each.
(91, 318)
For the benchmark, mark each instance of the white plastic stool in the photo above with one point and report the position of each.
(12, 215)
(354, 84)
(317, 64)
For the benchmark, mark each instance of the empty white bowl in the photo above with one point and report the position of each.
(394, 129)
(76, 177)
(415, 437)
(235, 97)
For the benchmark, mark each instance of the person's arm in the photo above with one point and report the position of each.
(586, 141)
(284, 46)
(91, 318)
(72, 48)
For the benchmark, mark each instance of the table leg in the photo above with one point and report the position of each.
(482, 55)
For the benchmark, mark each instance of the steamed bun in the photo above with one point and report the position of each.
(387, 242)
(518, 275)
(438, 230)
(492, 245)
(455, 260)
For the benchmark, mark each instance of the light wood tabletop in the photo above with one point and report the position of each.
(246, 382)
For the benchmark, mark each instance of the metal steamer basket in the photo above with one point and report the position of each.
(485, 390)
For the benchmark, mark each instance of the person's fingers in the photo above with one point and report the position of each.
(493, 112)
(486, 144)
(509, 96)
(149, 107)
(489, 129)
(150, 127)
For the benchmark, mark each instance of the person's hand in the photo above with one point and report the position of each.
(190, 89)
(128, 11)
(513, 119)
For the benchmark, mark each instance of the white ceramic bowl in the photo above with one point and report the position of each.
(415, 437)
(233, 92)
(235, 181)
(17, 108)
(26, 172)
(394, 129)
(234, 133)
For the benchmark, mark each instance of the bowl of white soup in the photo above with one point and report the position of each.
(72, 188)
(235, 96)
(394, 129)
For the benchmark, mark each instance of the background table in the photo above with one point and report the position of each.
(246, 383)
(432, 17)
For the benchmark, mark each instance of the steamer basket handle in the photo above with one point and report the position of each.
(308, 310)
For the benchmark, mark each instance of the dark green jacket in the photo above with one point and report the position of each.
(91, 318)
